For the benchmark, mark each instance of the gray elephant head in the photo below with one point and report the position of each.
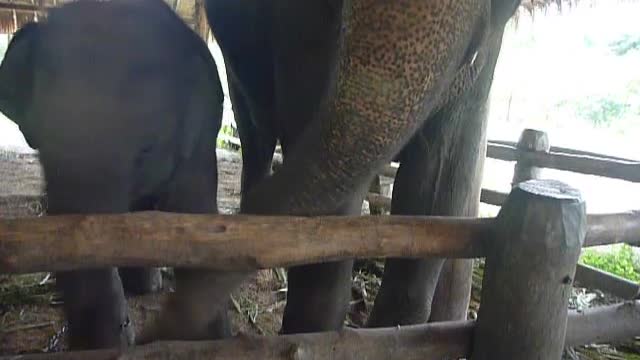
(123, 90)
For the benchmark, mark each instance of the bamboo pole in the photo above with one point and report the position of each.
(227, 242)
(427, 341)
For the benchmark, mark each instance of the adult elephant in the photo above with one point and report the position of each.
(123, 102)
(345, 89)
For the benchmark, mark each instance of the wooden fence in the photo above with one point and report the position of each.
(533, 152)
(531, 250)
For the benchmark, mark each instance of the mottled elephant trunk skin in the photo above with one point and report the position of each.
(397, 59)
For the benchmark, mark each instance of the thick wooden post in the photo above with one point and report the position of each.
(529, 272)
(530, 140)
(537, 141)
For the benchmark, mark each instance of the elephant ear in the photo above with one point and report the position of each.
(204, 104)
(16, 78)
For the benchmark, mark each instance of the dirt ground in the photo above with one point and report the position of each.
(31, 314)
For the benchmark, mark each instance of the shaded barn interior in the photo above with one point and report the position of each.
(15, 13)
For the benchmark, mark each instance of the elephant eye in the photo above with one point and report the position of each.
(143, 154)
(146, 150)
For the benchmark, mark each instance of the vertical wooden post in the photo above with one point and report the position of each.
(537, 141)
(529, 270)
(530, 140)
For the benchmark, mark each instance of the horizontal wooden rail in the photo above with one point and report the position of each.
(591, 277)
(625, 170)
(487, 196)
(225, 242)
(240, 242)
(606, 229)
(493, 197)
(428, 341)
(20, 7)
(558, 149)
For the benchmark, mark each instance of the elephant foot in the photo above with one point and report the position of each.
(96, 309)
(406, 293)
(318, 297)
(174, 324)
(100, 333)
(140, 281)
(198, 308)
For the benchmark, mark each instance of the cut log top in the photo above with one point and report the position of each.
(551, 189)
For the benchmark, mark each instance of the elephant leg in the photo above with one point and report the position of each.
(95, 308)
(440, 175)
(257, 144)
(197, 310)
(94, 303)
(318, 297)
(451, 299)
(140, 281)
(319, 294)
(408, 285)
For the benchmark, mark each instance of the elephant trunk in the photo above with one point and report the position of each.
(397, 59)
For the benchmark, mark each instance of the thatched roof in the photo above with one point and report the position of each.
(15, 13)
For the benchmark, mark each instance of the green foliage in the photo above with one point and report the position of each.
(620, 261)
(221, 143)
(625, 44)
(601, 111)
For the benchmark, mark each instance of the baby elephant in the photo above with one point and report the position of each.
(123, 102)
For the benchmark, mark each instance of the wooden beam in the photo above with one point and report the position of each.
(224, 242)
(562, 150)
(21, 7)
(493, 197)
(238, 242)
(593, 278)
(487, 196)
(624, 170)
(427, 341)
(606, 229)
(605, 324)
(430, 341)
